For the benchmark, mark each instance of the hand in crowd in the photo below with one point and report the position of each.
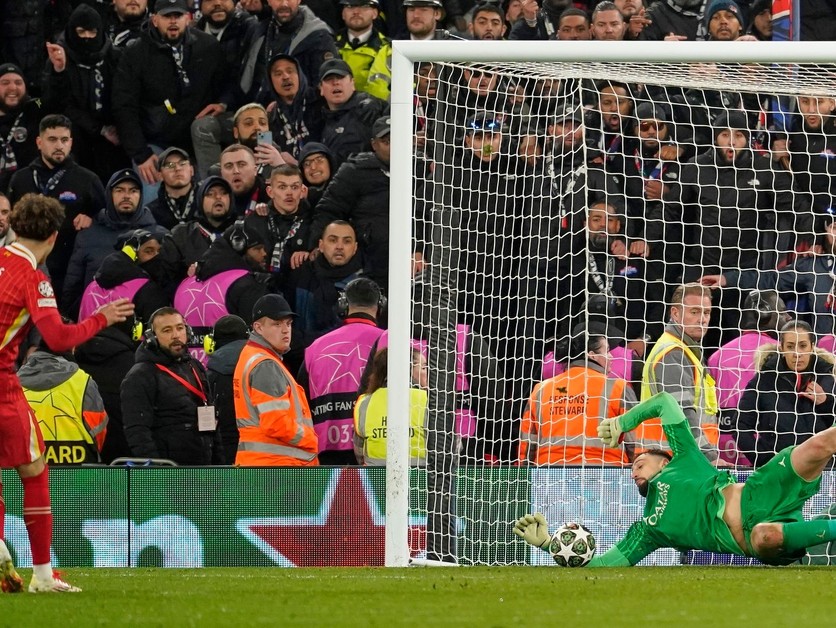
(747, 38)
(653, 189)
(637, 23)
(192, 269)
(722, 464)
(268, 154)
(675, 37)
(57, 56)
(638, 347)
(82, 221)
(418, 263)
(530, 9)
(215, 109)
(779, 153)
(111, 135)
(619, 249)
(299, 258)
(261, 209)
(640, 248)
(669, 152)
(714, 281)
(148, 171)
(117, 311)
(815, 393)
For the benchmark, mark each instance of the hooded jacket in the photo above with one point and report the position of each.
(348, 129)
(160, 414)
(219, 372)
(117, 269)
(772, 408)
(294, 123)
(95, 243)
(315, 192)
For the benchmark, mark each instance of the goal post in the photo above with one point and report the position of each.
(446, 494)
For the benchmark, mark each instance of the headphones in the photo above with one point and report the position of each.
(136, 331)
(134, 241)
(767, 309)
(209, 343)
(150, 337)
(366, 288)
(238, 239)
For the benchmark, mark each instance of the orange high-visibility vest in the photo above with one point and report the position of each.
(560, 423)
(274, 430)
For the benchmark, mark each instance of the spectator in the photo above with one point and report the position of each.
(123, 212)
(333, 366)
(55, 173)
(760, 20)
(7, 236)
(371, 413)
(107, 357)
(675, 20)
(423, 18)
(274, 420)
(539, 22)
(560, 422)
(19, 118)
(227, 281)
(176, 202)
(228, 339)
(192, 239)
(488, 22)
(607, 22)
(121, 275)
(170, 76)
(366, 50)
(513, 10)
(66, 402)
(348, 114)
(285, 229)
(607, 127)
(359, 194)
(294, 119)
(813, 171)
(126, 21)
(317, 165)
(249, 123)
(723, 20)
(675, 366)
(292, 30)
(633, 12)
(791, 397)
(249, 189)
(165, 396)
(79, 83)
(733, 364)
(26, 25)
(573, 25)
(314, 288)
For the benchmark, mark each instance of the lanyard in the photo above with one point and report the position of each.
(197, 393)
(52, 182)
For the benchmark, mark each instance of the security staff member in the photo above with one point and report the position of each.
(367, 51)
(274, 420)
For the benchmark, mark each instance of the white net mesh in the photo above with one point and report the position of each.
(553, 198)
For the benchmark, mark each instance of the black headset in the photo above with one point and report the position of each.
(238, 239)
(150, 337)
(134, 241)
(360, 283)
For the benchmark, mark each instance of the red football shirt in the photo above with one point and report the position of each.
(26, 297)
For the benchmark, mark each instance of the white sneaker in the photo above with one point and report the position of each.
(53, 585)
(10, 581)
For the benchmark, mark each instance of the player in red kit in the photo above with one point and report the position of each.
(26, 298)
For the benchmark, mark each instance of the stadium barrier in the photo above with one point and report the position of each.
(224, 516)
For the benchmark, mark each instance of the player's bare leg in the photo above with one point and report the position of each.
(811, 457)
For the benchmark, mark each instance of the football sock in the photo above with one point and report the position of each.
(804, 534)
(37, 515)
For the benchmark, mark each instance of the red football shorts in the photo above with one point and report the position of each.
(20, 436)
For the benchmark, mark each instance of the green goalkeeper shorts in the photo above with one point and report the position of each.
(775, 493)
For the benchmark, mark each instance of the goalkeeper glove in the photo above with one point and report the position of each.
(534, 530)
(609, 431)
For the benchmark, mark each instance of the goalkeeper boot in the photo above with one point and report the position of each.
(10, 581)
(52, 585)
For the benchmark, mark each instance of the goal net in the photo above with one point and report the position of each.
(553, 200)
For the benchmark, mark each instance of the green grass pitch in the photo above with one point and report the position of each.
(484, 597)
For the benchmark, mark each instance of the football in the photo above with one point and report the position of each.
(572, 545)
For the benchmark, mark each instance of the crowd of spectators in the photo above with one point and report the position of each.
(208, 153)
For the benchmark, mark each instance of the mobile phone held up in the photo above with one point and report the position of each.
(265, 137)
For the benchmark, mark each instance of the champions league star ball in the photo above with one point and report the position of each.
(572, 545)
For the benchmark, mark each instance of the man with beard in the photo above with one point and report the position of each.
(317, 166)
(79, 81)
(249, 189)
(633, 12)
(293, 30)
(723, 20)
(123, 211)
(19, 118)
(7, 236)
(348, 114)
(488, 22)
(190, 240)
(366, 50)
(166, 400)
(176, 203)
(55, 173)
(294, 118)
(126, 21)
(690, 504)
(170, 76)
(229, 279)
(811, 150)
(573, 25)
(539, 22)
(359, 194)
(607, 22)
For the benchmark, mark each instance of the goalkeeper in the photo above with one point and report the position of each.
(693, 505)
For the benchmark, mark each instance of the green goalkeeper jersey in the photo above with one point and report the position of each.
(685, 503)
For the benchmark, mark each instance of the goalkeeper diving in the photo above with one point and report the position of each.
(692, 505)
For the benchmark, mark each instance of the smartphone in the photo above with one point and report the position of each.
(265, 137)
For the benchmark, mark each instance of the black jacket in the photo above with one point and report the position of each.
(219, 372)
(169, 212)
(245, 291)
(147, 77)
(290, 232)
(296, 123)
(813, 163)
(772, 408)
(315, 192)
(117, 268)
(347, 130)
(27, 117)
(160, 414)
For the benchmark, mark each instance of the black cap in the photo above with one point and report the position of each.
(334, 66)
(651, 111)
(381, 127)
(569, 111)
(272, 306)
(483, 121)
(11, 68)
(168, 152)
(436, 4)
(135, 238)
(735, 120)
(228, 329)
(360, 3)
(614, 336)
(164, 7)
